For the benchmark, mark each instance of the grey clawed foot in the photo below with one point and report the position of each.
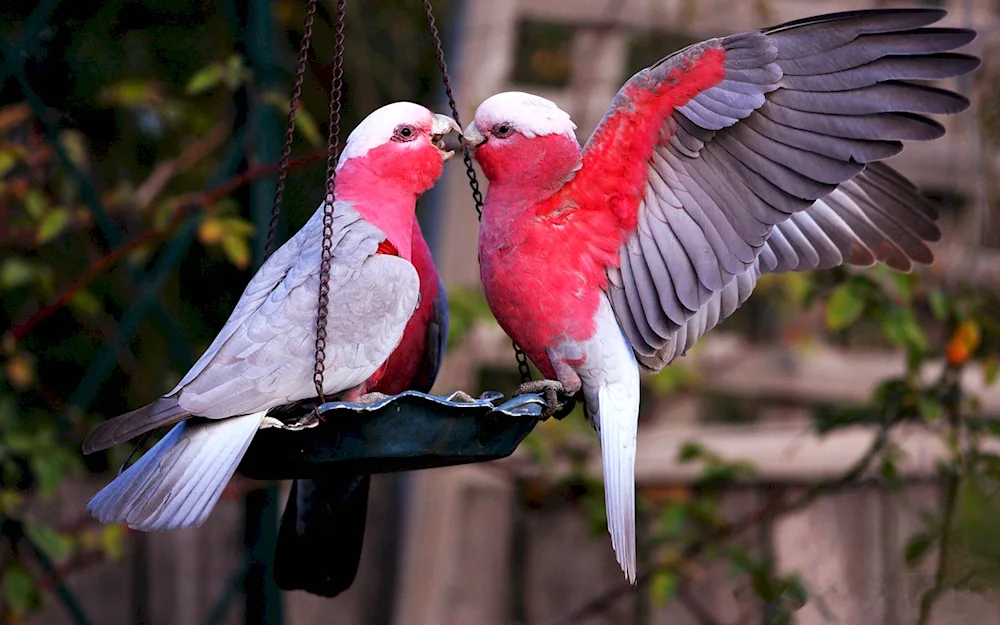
(461, 397)
(370, 398)
(549, 389)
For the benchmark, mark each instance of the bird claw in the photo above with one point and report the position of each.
(303, 423)
(370, 398)
(461, 397)
(551, 390)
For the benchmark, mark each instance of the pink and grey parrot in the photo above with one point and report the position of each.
(748, 154)
(323, 526)
(264, 355)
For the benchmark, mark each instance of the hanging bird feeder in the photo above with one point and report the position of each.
(404, 432)
(338, 440)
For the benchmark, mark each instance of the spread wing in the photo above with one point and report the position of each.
(735, 139)
(264, 355)
(877, 216)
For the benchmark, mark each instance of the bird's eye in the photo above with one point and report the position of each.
(502, 130)
(404, 133)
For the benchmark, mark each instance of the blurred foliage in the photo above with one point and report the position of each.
(942, 328)
(131, 131)
(129, 128)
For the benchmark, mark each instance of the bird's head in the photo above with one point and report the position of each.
(519, 137)
(400, 144)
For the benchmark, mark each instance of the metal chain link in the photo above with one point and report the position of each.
(333, 153)
(470, 172)
(293, 105)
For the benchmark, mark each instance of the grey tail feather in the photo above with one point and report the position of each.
(162, 412)
(177, 483)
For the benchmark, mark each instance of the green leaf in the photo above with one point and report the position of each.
(35, 203)
(112, 540)
(85, 302)
(237, 226)
(844, 307)
(889, 471)
(205, 78)
(306, 125)
(7, 161)
(235, 72)
(930, 408)
(132, 93)
(905, 283)
(663, 587)
(304, 121)
(916, 548)
(900, 327)
(15, 272)
(795, 593)
(53, 224)
(55, 545)
(237, 249)
(76, 146)
(19, 589)
(673, 519)
(939, 303)
(690, 451)
(991, 370)
(48, 470)
(670, 379)
(10, 501)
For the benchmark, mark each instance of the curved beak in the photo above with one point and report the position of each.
(441, 126)
(472, 137)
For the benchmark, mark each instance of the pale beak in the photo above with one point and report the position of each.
(441, 126)
(472, 137)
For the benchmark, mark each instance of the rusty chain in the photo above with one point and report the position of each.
(333, 149)
(293, 105)
(333, 153)
(470, 172)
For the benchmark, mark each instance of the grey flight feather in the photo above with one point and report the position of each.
(776, 166)
(839, 229)
(179, 480)
(437, 340)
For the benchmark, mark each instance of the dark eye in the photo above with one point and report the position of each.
(404, 133)
(502, 130)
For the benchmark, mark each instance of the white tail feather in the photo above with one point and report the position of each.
(177, 483)
(618, 407)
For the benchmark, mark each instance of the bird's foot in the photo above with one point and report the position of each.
(370, 398)
(303, 423)
(551, 390)
(461, 397)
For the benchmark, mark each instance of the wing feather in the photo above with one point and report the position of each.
(764, 156)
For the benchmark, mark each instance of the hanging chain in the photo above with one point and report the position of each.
(477, 196)
(293, 105)
(470, 172)
(333, 153)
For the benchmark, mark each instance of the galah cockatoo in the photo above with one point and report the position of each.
(264, 355)
(323, 526)
(738, 156)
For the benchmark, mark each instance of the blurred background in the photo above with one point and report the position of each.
(828, 455)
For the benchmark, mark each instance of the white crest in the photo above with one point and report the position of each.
(531, 115)
(377, 128)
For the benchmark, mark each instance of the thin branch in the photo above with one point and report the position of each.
(164, 172)
(61, 573)
(950, 378)
(694, 606)
(929, 597)
(726, 532)
(187, 204)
